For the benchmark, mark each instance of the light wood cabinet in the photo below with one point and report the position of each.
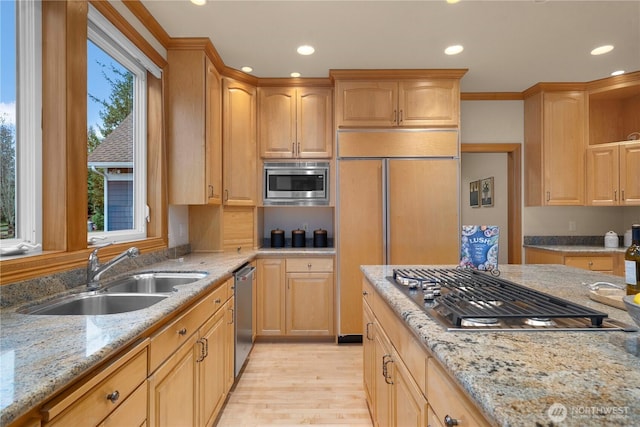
(400, 376)
(384, 103)
(555, 132)
(604, 263)
(295, 122)
(190, 386)
(368, 355)
(393, 396)
(448, 401)
(271, 296)
(295, 297)
(111, 394)
(194, 143)
(613, 174)
(239, 143)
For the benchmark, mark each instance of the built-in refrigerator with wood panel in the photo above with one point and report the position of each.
(398, 203)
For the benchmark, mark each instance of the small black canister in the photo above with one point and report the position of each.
(277, 238)
(320, 238)
(298, 238)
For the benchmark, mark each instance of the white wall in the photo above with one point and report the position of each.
(503, 122)
(178, 219)
(479, 166)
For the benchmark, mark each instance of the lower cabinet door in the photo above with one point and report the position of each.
(172, 389)
(410, 405)
(211, 367)
(383, 379)
(368, 352)
(309, 308)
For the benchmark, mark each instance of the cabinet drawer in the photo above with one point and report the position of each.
(594, 263)
(165, 342)
(94, 405)
(303, 265)
(367, 293)
(446, 399)
(132, 412)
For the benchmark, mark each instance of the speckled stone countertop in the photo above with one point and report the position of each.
(41, 354)
(515, 377)
(581, 249)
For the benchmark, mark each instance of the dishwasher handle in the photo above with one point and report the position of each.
(244, 273)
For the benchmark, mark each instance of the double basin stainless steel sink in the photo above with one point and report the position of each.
(129, 293)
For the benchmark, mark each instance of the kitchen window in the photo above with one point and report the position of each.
(116, 135)
(20, 118)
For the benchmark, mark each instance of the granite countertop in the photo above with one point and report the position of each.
(515, 377)
(33, 366)
(581, 249)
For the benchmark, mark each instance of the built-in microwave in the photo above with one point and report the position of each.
(296, 183)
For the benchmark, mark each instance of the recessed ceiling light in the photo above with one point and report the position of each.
(306, 49)
(454, 50)
(247, 69)
(452, 1)
(199, 2)
(295, 74)
(617, 73)
(601, 50)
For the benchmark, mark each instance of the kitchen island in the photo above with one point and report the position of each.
(514, 377)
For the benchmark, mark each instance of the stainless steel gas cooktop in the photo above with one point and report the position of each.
(470, 300)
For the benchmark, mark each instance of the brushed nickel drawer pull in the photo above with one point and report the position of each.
(183, 331)
(114, 396)
(449, 422)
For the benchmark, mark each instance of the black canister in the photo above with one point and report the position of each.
(277, 238)
(320, 238)
(298, 238)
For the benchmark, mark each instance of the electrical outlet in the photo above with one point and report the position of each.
(180, 230)
(572, 226)
(305, 226)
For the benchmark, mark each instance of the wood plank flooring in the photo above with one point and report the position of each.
(297, 384)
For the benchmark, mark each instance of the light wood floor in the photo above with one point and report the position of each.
(299, 383)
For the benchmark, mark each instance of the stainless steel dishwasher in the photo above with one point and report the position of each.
(243, 284)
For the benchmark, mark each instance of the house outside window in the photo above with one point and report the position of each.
(116, 135)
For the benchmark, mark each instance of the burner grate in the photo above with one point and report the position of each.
(473, 295)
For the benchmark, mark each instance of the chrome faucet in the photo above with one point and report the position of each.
(95, 270)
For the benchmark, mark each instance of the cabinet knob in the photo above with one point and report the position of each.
(365, 293)
(182, 331)
(449, 422)
(217, 301)
(113, 396)
(309, 266)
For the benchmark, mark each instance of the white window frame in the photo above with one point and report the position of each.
(106, 36)
(28, 125)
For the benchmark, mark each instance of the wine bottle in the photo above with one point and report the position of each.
(632, 262)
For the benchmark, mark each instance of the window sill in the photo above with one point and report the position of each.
(29, 266)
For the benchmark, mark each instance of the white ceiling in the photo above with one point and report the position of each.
(508, 45)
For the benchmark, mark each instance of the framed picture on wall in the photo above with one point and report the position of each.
(486, 191)
(474, 194)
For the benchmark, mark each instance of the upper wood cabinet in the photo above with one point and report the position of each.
(555, 131)
(384, 103)
(239, 143)
(612, 174)
(194, 144)
(295, 122)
